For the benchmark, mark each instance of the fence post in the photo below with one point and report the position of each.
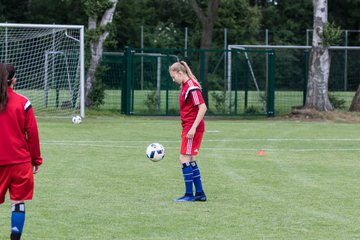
(271, 86)
(142, 58)
(246, 78)
(236, 86)
(126, 88)
(346, 62)
(306, 71)
(202, 75)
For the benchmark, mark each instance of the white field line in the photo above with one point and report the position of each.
(207, 140)
(122, 144)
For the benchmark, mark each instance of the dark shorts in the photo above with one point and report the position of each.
(19, 180)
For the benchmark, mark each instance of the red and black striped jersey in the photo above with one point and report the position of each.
(19, 137)
(190, 97)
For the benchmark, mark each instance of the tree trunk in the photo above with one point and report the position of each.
(355, 104)
(207, 21)
(318, 76)
(96, 49)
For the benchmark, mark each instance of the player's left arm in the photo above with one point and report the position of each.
(33, 140)
(200, 116)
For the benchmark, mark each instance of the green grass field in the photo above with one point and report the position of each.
(96, 182)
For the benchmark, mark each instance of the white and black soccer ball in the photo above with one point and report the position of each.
(76, 120)
(155, 152)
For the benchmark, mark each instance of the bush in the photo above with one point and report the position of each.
(252, 110)
(152, 102)
(219, 101)
(98, 94)
(337, 103)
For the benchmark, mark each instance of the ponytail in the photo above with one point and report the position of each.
(184, 67)
(3, 87)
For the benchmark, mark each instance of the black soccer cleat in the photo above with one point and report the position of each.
(200, 197)
(15, 236)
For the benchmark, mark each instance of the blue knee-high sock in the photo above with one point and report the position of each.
(188, 178)
(17, 220)
(197, 177)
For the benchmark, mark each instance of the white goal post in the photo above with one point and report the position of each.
(49, 63)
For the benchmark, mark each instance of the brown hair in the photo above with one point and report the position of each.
(11, 70)
(3, 86)
(183, 67)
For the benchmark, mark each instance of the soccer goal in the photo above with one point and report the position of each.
(254, 81)
(49, 62)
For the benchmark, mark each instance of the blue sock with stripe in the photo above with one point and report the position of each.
(17, 220)
(188, 178)
(197, 177)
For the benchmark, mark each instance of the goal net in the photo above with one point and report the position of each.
(253, 68)
(49, 66)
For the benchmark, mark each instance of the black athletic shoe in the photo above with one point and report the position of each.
(15, 236)
(201, 197)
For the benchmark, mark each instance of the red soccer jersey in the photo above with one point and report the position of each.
(19, 138)
(190, 97)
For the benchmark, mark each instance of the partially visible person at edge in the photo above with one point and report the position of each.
(20, 156)
(192, 111)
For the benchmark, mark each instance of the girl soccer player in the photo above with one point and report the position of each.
(19, 149)
(192, 111)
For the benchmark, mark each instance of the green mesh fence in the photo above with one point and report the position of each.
(235, 82)
(233, 85)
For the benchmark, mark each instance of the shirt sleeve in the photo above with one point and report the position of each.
(196, 96)
(32, 133)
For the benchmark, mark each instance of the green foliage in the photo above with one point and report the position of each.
(345, 14)
(96, 8)
(216, 82)
(240, 19)
(287, 21)
(156, 17)
(331, 34)
(152, 102)
(337, 102)
(244, 19)
(92, 35)
(220, 101)
(43, 11)
(11, 10)
(98, 92)
(252, 110)
(163, 36)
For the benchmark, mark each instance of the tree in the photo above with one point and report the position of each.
(96, 37)
(13, 11)
(242, 21)
(55, 12)
(355, 104)
(319, 69)
(207, 19)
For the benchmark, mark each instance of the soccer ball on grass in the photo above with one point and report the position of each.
(76, 120)
(155, 152)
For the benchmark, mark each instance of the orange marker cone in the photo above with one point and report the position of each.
(261, 153)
